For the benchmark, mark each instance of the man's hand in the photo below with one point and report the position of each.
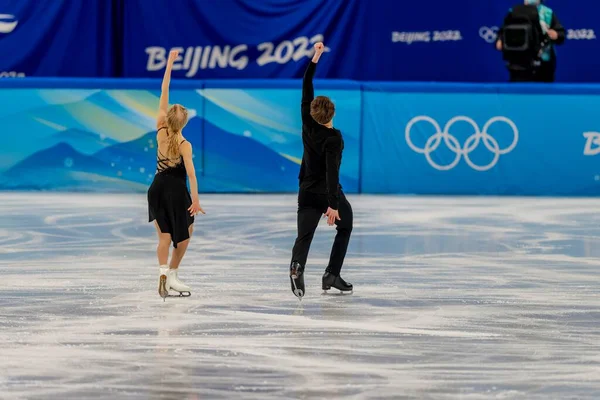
(552, 34)
(332, 216)
(499, 45)
(319, 49)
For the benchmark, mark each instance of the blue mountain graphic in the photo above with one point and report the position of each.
(237, 163)
(234, 163)
(60, 156)
(83, 141)
(61, 167)
(142, 151)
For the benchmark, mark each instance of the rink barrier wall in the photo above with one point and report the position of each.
(400, 138)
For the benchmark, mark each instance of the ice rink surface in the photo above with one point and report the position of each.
(455, 298)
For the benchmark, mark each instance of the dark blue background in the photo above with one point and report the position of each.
(97, 38)
(59, 38)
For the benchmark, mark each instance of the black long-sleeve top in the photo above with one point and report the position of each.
(323, 146)
(554, 25)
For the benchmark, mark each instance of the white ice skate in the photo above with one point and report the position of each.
(163, 281)
(176, 285)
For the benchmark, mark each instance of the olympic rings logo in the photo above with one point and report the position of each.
(489, 34)
(469, 146)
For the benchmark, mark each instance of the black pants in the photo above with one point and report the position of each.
(545, 73)
(311, 207)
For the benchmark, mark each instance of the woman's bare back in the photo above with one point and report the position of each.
(162, 140)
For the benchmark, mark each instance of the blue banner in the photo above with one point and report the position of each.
(430, 41)
(253, 139)
(241, 39)
(100, 135)
(379, 40)
(368, 40)
(401, 138)
(468, 139)
(70, 38)
(455, 40)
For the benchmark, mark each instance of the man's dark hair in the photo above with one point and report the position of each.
(322, 109)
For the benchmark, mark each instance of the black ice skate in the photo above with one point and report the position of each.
(330, 280)
(297, 279)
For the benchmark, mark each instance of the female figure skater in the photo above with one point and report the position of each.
(170, 205)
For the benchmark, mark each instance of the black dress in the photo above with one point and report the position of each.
(169, 199)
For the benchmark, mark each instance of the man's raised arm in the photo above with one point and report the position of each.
(308, 91)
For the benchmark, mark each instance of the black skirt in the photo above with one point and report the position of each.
(168, 203)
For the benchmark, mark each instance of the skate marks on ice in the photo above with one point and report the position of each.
(453, 298)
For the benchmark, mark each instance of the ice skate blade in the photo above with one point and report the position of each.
(341, 292)
(162, 287)
(297, 292)
(180, 294)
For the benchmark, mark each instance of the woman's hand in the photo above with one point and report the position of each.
(173, 54)
(195, 208)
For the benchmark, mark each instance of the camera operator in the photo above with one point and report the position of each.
(527, 39)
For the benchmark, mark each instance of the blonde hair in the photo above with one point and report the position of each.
(177, 118)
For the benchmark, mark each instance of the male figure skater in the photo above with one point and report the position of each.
(320, 192)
